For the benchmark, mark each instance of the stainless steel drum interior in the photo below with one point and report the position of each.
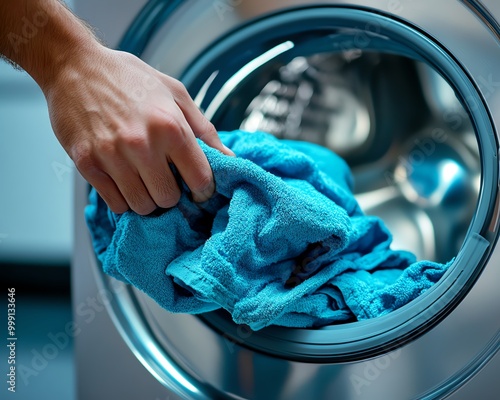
(416, 170)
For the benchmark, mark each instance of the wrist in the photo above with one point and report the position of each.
(68, 61)
(66, 44)
(43, 37)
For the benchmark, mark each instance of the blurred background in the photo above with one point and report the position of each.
(36, 225)
(35, 233)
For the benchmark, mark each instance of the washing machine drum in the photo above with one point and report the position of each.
(407, 93)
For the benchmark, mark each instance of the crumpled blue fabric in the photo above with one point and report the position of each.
(282, 242)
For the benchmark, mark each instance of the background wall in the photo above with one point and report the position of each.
(35, 177)
(36, 222)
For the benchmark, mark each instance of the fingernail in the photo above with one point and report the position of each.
(200, 197)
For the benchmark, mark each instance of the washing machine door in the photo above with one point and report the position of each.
(408, 93)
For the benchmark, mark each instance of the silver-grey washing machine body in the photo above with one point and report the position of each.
(408, 92)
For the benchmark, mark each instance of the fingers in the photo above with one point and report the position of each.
(114, 178)
(134, 191)
(201, 126)
(127, 159)
(106, 188)
(160, 182)
(195, 170)
(126, 189)
(134, 172)
(183, 150)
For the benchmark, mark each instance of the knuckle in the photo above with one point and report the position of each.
(167, 193)
(162, 121)
(203, 182)
(142, 206)
(117, 207)
(133, 140)
(144, 210)
(83, 158)
(112, 197)
(169, 123)
(169, 200)
(177, 139)
(139, 201)
(106, 147)
(136, 144)
(178, 89)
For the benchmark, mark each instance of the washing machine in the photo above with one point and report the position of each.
(408, 93)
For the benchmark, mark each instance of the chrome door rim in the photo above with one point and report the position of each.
(357, 340)
(129, 332)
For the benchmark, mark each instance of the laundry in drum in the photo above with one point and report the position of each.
(283, 242)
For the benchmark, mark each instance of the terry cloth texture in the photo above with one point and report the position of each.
(282, 242)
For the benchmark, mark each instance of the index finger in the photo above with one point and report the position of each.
(200, 125)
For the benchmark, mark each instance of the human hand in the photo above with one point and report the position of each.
(122, 122)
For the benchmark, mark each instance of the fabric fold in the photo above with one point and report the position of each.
(282, 242)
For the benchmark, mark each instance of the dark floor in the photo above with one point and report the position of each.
(43, 322)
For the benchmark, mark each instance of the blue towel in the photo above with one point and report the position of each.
(282, 242)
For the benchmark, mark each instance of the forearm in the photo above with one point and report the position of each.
(41, 36)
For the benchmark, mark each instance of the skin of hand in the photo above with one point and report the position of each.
(121, 121)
